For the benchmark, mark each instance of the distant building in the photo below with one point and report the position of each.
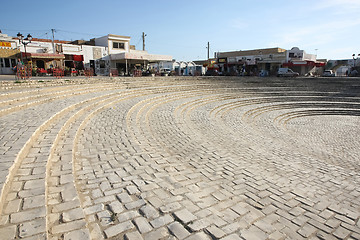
(124, 58)
(9, 52)
(301, 62)
(100, 54)
(252, 62)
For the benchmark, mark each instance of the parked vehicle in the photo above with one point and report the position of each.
(328, 73)
(286, 72)
(165, 71)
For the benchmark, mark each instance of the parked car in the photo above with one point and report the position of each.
(328, 73)
(165, 71)
(286, 72)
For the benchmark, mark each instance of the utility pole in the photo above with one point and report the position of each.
(143, 38)
(53, 44)
(53, 37)
(208, 52)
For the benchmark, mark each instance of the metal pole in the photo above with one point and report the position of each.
(143, 37)
(208, 51)
(126, 67)
(53, 44)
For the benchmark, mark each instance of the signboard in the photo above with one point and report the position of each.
(5, 44)
(222, 60)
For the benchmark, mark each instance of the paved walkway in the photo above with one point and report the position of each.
(180, 158)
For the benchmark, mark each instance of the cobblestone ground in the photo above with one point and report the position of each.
(180, 158)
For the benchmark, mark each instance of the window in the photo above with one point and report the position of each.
(7, 62)
(102, 63)
(119, 45)
(13, 62)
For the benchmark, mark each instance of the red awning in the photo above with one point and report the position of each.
(44, 55)
(320, 64)
(301, 63)
(78, 58)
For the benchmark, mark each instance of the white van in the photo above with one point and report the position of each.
(286, 72)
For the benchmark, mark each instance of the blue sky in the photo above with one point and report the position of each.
(330, 28)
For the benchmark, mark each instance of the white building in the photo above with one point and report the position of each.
(301, 62)
(124, 58)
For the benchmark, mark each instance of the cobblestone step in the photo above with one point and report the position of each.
(182, 158)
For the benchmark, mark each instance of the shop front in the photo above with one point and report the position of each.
(134, 62)
(303, 67)
(8, 60)
(74, 64)
(43, 63)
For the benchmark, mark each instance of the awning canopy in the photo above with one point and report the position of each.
(140, 55)
(304, 63)
(44, 55)
(73, 57)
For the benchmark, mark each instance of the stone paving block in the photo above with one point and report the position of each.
(32, 228)
(8, 232)
(28, 215)
(116, 207)
(105, 199)
(82, 234)
(142, 224)
(127, 215)
(135, 204)
(198, 236)
(341, 233)
(96, 232)
(67, 227)
(159, 233)
(105, 218)
(178, 230)
(253, 233)
(161, 221)
(215, 232)
(33, 184)
(97, 193)
(69, 194)
(32, 192)
(13, 206)
(307, 230)
(118, 228)
(170, 207)
(185, 216)
(149, 211)
(74, 214)
(199, 224)
(94, 209)
(241, 208)
(133, 236)
(33, 202)
(124, 197)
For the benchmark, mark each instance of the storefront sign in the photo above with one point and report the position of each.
(5, 44)
(222, 60)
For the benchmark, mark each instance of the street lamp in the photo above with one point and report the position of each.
(22, 40)
(355, 58)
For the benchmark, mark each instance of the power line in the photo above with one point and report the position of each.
(90, 34)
